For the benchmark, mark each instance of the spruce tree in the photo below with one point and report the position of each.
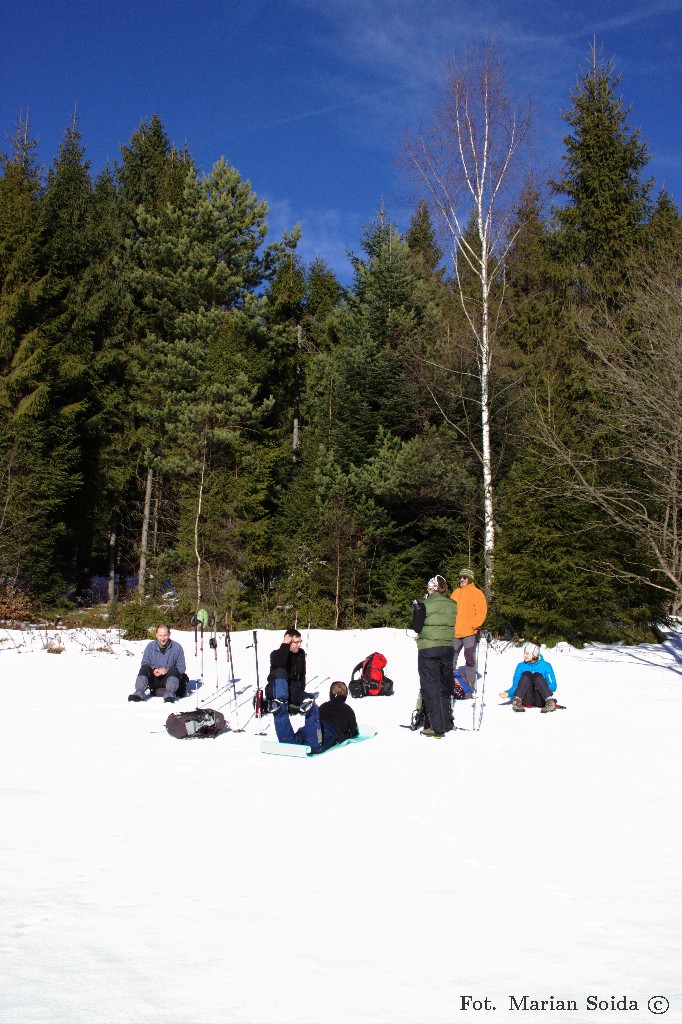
(605, 200)
(38, 439)
(421, 241)
(599, 232)
(68, 232)
(380, 491)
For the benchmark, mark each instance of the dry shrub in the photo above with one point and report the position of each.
(16, 606)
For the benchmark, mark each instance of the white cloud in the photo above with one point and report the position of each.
(325, 233)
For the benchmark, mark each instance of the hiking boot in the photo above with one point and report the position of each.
(432, 734)
(169, 699)
(517, 704)
(275, 704)
(550, 705)
(135, 697)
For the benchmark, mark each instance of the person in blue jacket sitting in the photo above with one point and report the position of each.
(162, 668)
(534, 682)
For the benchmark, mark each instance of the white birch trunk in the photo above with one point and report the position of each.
(196, 527)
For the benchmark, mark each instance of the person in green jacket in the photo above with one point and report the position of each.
(434, 620)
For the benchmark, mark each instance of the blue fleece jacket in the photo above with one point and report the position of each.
(172, 656)
(541, 666)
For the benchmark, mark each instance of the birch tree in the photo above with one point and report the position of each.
(469, 162)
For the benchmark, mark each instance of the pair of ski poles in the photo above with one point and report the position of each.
(201, 622)
(478, 701)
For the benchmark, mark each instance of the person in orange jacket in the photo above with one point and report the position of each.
(472, 609)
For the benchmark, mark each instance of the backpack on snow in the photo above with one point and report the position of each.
(371, 682)
(200, 723)
(460, 688)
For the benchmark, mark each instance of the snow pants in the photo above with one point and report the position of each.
(435, 681)
(147, 680)
(469, 644)
(295, 692)
(314, 733)
(533, 689)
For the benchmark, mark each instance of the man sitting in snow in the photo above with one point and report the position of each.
(288, 663)
(331, 723)
(534, 682)
(163, 665)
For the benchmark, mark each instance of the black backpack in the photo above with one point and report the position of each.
(196, 724)
(371, 681)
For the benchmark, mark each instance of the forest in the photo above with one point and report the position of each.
(192, 415)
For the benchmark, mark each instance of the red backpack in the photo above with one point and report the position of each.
(371, 681)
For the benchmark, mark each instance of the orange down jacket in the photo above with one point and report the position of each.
(472, 609)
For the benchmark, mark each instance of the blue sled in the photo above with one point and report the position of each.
(302, 750)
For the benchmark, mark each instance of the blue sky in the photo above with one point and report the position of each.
(310, 99)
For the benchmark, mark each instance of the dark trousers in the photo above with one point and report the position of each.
(469, 644)
(533, 689)
(295, 690)
(314, 733)
(147, 680)
(436, 684)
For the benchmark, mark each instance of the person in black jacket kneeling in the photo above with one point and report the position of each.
(333, 722)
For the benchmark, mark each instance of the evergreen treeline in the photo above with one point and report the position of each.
(183, 399)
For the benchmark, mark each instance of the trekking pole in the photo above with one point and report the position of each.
(202, 619)
(474, 706)
(213, 644)
(228, 651)
(488, 638)
(258, 701)
(195, 623)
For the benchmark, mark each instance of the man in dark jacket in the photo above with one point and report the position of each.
(333, 722)
(288, 663)
(163, 667)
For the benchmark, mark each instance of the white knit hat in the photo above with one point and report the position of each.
(533, 650)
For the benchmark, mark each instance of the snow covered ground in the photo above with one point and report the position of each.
(147, 879)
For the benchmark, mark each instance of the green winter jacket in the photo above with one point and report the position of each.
(439, 624)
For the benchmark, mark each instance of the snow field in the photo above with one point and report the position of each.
(146, 879)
